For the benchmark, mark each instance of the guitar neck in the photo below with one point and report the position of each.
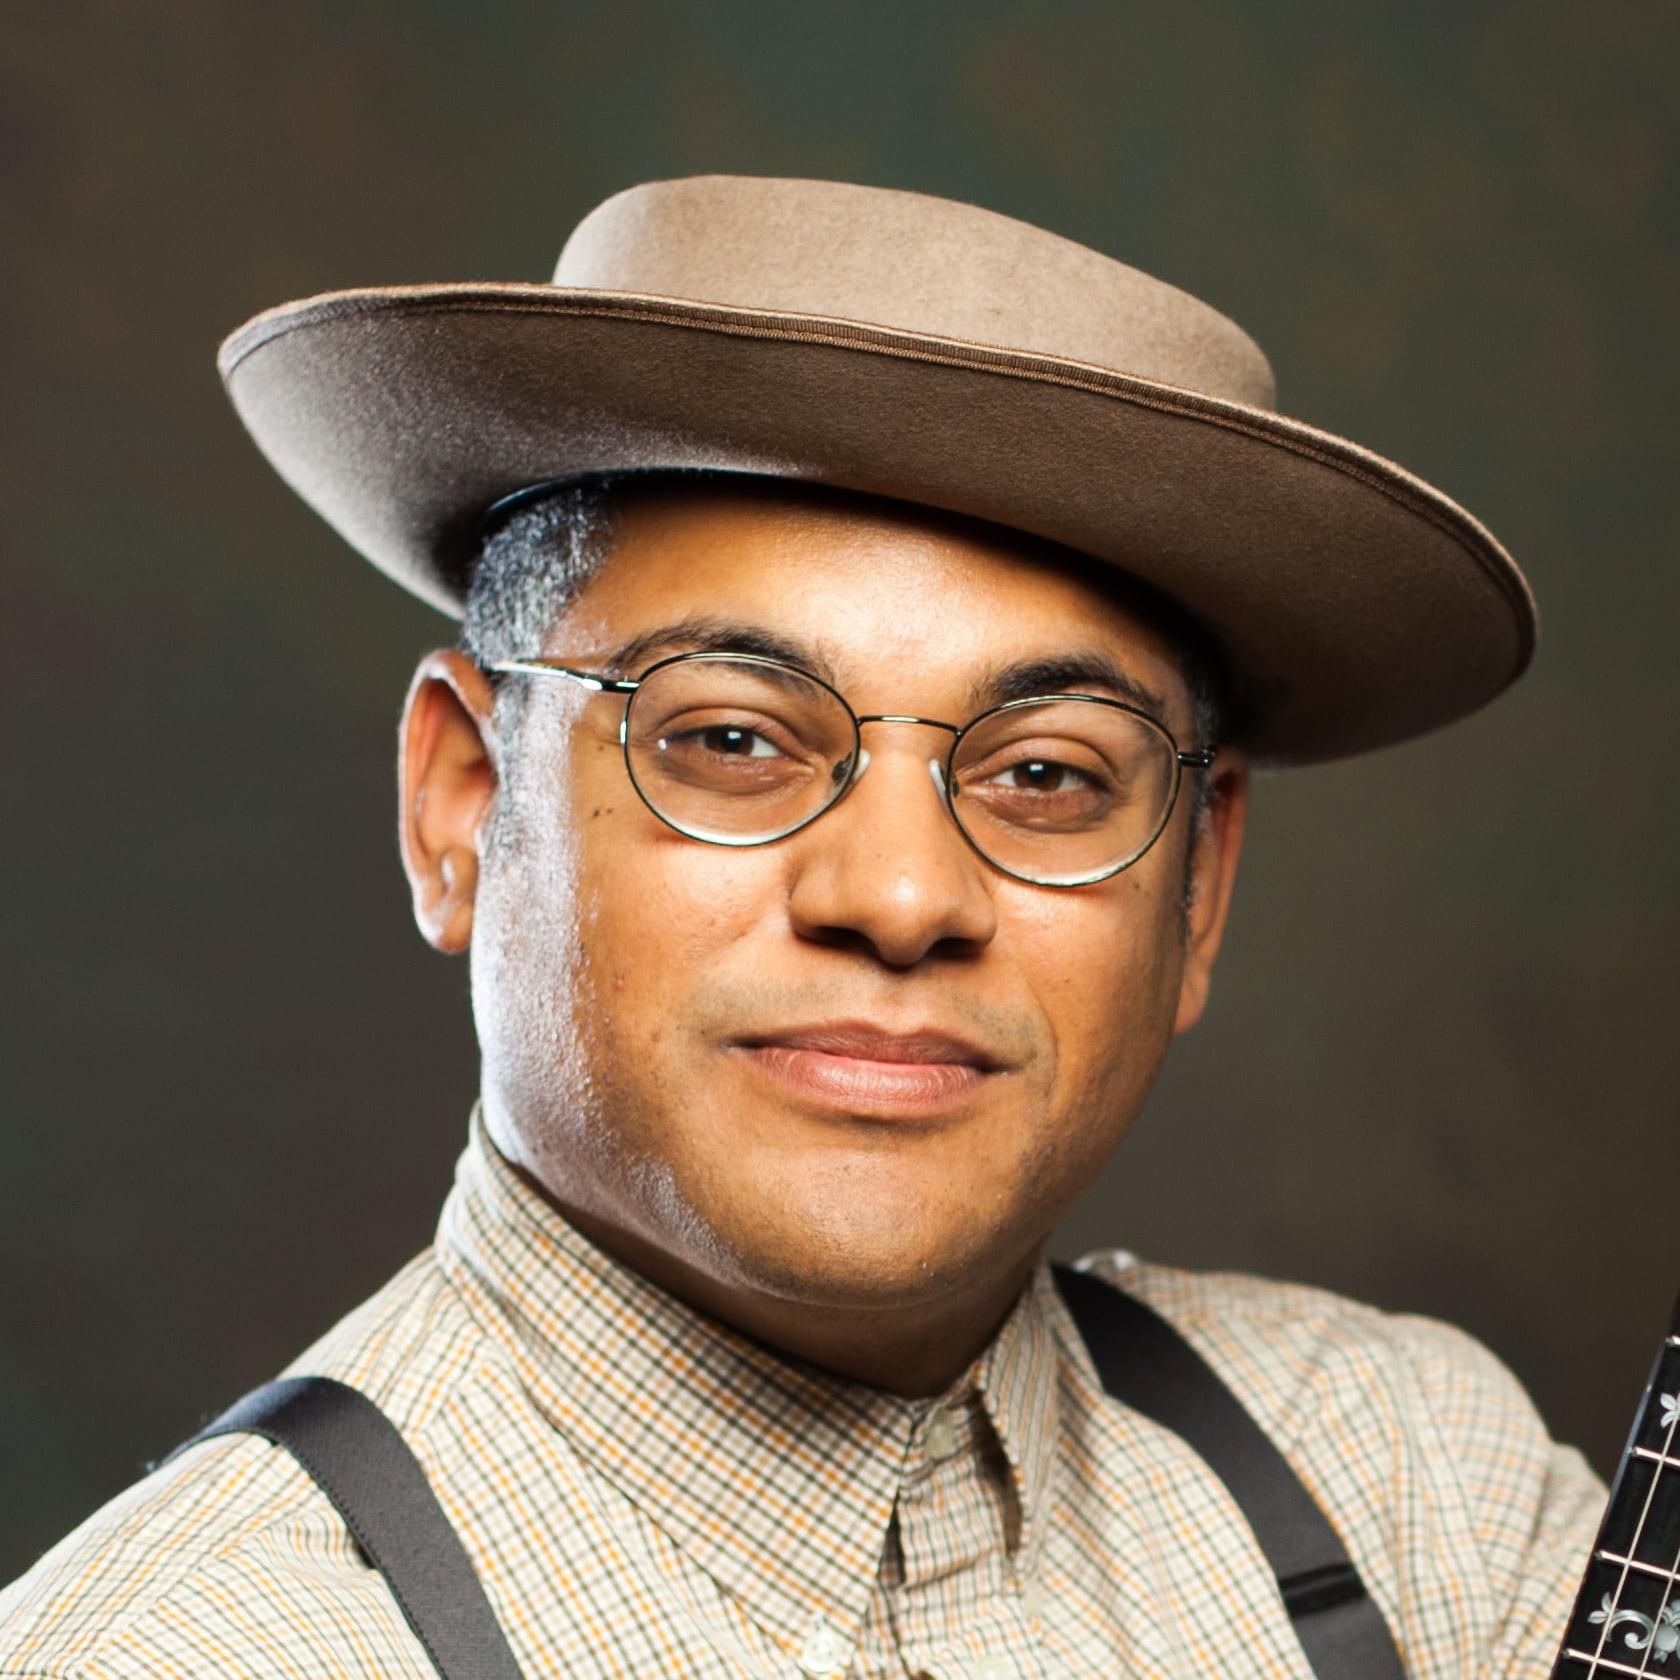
(1626, 1619)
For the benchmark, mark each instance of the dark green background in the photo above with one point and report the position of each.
(1440, 1069)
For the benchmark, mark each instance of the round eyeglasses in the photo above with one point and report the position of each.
(736, 749)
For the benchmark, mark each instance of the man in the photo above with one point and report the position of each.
(872, 609)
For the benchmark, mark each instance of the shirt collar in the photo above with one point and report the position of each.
(777, 1478)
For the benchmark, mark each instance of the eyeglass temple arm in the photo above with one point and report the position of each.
(587, 679)
(1201, 759)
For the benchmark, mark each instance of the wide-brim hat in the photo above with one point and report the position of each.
(912, 347)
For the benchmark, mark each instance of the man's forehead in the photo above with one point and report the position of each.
(834, 580)
(659, 505)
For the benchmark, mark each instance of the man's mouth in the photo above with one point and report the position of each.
(863, 1068)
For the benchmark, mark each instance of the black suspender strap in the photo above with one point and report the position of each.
(377, 1485)
(1144, 1363)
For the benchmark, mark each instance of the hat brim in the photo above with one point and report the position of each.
(1356, 605)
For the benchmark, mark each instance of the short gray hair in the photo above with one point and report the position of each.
(531, 568)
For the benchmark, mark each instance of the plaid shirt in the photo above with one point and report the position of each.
(645, 1493)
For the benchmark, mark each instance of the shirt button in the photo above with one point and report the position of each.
(1032, 1600)
(991, 1668)
(825, 1652)
(941, 1439)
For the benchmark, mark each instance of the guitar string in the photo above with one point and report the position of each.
(1613, 1603)
(1658, 1471)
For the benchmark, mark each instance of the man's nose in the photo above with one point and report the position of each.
(887, 868)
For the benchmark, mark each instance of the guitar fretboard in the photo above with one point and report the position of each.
(1626, 1619)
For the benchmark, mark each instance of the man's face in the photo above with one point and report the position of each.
(708, 1054)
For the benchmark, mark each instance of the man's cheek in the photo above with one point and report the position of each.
(686, 903)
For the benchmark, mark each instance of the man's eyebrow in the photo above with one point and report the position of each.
(1068, 673)
(707, 633)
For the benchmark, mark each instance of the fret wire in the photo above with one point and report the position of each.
(1656, 1457)
(1643, 1568)
(1599, 1662)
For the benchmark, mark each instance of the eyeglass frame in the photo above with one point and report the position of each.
(1199, 758)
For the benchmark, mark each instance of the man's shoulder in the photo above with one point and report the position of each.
(126, 1592)
(1380, 1410)
(228, 1553)
(1285, 1346)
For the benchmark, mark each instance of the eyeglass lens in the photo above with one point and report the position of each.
(740, 753)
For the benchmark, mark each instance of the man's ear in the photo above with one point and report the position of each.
(1213, 876)
(447, 771)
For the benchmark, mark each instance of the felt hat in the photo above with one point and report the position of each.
(913, 347)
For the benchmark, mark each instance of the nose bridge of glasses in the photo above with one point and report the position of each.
(906, 717)
(936, 766)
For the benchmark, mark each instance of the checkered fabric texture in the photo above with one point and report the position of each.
(645, 1493)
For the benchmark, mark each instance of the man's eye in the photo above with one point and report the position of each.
(1042, 775)
(730, 741)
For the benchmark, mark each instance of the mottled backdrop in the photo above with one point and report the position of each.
(1441, 1067)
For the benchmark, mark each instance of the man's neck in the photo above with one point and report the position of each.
(915, 1349)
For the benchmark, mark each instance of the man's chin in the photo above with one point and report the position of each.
(857, 1258)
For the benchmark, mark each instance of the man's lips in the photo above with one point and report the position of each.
(864, 1041)
(858, 1066)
